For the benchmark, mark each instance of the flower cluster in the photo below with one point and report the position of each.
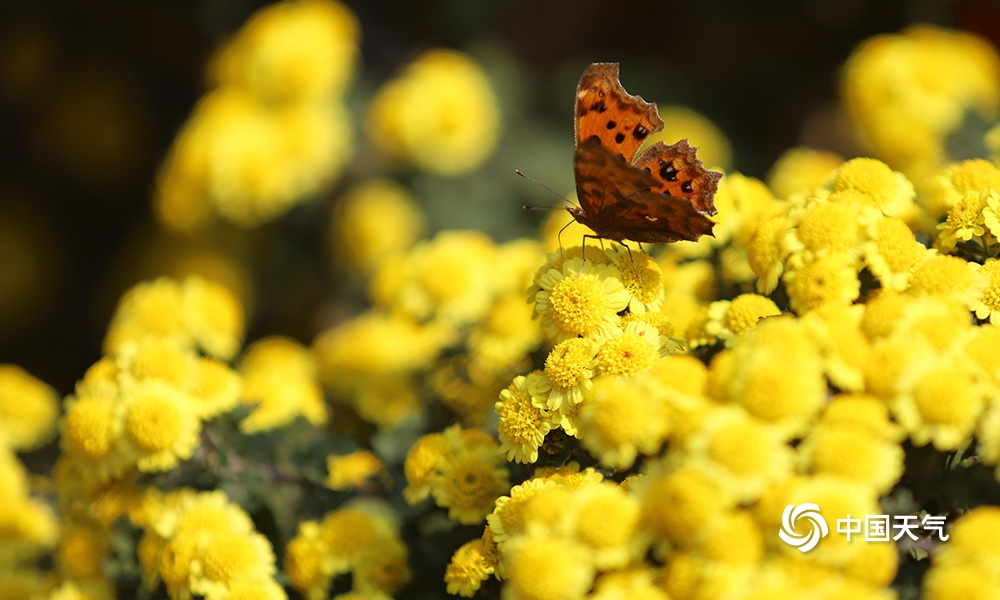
(362, 540)
(440, 114)
(274, 129)
(904, 108)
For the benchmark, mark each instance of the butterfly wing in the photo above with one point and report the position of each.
(620, 202)
(606, 111)
(679, 173)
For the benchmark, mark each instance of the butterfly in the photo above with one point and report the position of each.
(663, 195)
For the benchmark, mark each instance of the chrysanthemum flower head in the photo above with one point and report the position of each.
(605, 517)
(939, 402)
(160, 424)
(572, 302)
(843, 346)
(948, 276)
(303, 50)
(223, 559)
(92, 430)
(439, 114)
(826, 280)
(569, 370)
(987, 305)
(716, 542)
(827, 228)
(966, 220)
(888, 190)
(468, 481)
(971, 541)
(641, 276)
(742, 453)
(727, 320)
(523, 425)
(678, 503)
(28, 409)
(636, 582)
(801, 168)
(767, 251)
(546, 566)
(279, 384)
(622, 417)
(467, 570)
(891, 252)
(854, 454)
(956, 181)
(629, 351)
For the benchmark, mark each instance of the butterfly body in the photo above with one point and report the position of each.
(664, 195)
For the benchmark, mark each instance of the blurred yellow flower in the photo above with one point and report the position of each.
(622, 417)
(801, 169)
(28, 409)
(467, 570)
(280, 383)
(440, 114)
(352, 470)
(547, 566)
(291, 51)
(372, 221)
(729, 319)
(160, 424)
(908, 92)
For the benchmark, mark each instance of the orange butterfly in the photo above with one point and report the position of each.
(664, 195)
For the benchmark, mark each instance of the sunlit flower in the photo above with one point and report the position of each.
(988, 305)
(885, 189)
(766, 253)
(569, 371)
(223, 559)
(468, 483)
(742, 453)
(420, 463)
(28, 409)
(827, 280)
(372, 221)
(352, 470)
(966, 219)
(440, 114)
(546, 566)
(842, 344)
(971, 542)
(801, 168)
(279, 383)
(580, 299)
(939, 402)
(306, 564)
(467, 570)
(727, 320)
(827, 228)
(605, 518)
(636, 582)
(522, 426)
(948, 276)
(892, 252)
(853, 453)
(160, 423)
(381, 565)
(641, 277)
(957, 181)
(216, 388)
(630, 351)
(620, 418)
(292, 51)
(680, 503)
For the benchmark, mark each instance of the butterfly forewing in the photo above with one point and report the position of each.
(605, 110)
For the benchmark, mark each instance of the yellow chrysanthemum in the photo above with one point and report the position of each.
(302, 50)
(279, 383)
(970, 541)
(888, 190)
(28, 409)
(827, 228)
(306, 564)
(955, 182)
(766, 253)
(469, 482)
(727, 320)
(419, 465)
(827, 280)
(345, 533)
(214, 317)
(381, 565)
(223, 559)
(855, 454)
(679, 503)
(637, 582)
(800, 169)
(641, 276)
(966, 219)
(842, 344)
(92, 430)
(82, 549)
(939, 402)
(605, 518)
(439, 114)
(892, 252)
(742, 453)
(547, 567)
(467, 570)
(960, 581)
(160, 423)
(352, 470)
(948, 276)
(523, 425)
(621, 418)
(372, 221)
(988, 304)
(216, 388)
(569, 371)
(580, 299)
(630, 351)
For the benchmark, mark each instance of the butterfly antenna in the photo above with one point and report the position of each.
(545, 187)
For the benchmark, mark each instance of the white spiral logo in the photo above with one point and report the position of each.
(790, 518)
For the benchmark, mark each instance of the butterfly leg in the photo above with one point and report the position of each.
(583, 252)
(635, 269)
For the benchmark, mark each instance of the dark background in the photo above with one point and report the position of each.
(93, 91)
